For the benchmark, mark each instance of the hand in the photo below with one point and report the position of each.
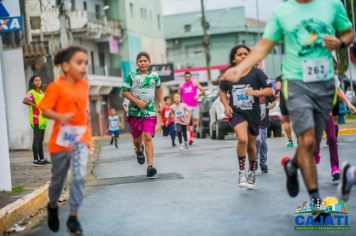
(141, 104)
(331, 42)
(65, 118)
(272, 105)
(196, 97)
(228, 112)
(251, 92)
(352, 108)
(233, 75)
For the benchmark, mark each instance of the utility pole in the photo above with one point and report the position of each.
(206, 42)
(63, 24)
(5, 173)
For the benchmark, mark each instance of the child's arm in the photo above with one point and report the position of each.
(159, 99)
(343, 98)
(28, 100)
(140, 103)
(63, 118)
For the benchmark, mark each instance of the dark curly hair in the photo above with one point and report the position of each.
(65, 54)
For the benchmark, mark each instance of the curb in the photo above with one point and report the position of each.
(21, 208)
(347, 131)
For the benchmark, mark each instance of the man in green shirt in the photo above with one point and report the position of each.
(143, 89)
(308, 85)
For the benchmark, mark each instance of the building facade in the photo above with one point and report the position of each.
(86, 24)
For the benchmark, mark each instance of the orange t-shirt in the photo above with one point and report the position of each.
(64, 97)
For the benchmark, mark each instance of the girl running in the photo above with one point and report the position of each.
(143, 89)
(181, 113)
(66, 101)
(244, 112)
(37, 121)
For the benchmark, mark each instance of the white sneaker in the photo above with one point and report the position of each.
(181, 147)
(242, 179)
(251, 179)
(186, 145)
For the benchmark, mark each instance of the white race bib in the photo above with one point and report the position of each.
(69, 134)
(179, 113)
(167, 113)
(241, 100)
(315, 70)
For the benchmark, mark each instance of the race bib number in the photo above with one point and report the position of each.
(315, 70)
(69, 134)
(167, 113)
(241, 100)
(179, 113)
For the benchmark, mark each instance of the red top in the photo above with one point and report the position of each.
(166, 113)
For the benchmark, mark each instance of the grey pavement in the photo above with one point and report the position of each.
(196, 193)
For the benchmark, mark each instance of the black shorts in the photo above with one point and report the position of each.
(283, 106)
(336, 109)
(253, 128)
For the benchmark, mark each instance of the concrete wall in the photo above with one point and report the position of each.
(20, 132)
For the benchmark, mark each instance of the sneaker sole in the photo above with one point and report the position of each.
(243, 185)
(251, 186)
(284, 162)
(344, 168)
(152, 174)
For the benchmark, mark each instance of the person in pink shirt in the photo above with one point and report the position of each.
(181, 113)
(189, 92)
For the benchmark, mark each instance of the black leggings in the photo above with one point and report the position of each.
(37, 145)
(181, 129)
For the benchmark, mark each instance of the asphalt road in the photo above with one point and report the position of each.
(196, 193)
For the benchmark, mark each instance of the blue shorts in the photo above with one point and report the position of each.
(115, 133)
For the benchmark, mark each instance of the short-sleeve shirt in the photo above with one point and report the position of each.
(113, 123)
(179, 111)
(64, 97)
(142, 87)
(166, 115)
(302, 26)
(247, 106)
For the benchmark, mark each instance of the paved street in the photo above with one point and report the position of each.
(196, 193)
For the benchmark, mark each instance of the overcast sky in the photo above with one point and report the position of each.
(179, 6)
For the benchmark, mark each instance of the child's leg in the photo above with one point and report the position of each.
(78, 167)
(317, 154)
(179, 133)
(332, 141)
(137, 143)
(147, 139)
(60, 165)
(184, 129)
(40, 144)
(172, 132)
(259, 144)
(251, 150)
(241, 133)
(264, 147)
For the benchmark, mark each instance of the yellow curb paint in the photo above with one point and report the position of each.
(18, 210)
(344, 132)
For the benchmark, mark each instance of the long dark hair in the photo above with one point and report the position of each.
(31, 80)
(232, 55)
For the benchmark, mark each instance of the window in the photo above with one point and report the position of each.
(35, 22)
(131, 10)
(159, 22)
(97, 12)
(187, 28)
(84, 5)
(194, 51)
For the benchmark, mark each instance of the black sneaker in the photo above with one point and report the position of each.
(111, 141)
(292, 177)
(74, 225)
(52, 218)
(174, 145)
(140, 157)
(37, 163)
(336, 176)
(151, 171)
(45, 162)
(344, 185)
(264, 168)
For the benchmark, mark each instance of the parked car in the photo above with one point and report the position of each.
(219, 124)
(205, 103)
(275, 122)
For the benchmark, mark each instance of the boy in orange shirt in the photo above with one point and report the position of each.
(66, 101)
